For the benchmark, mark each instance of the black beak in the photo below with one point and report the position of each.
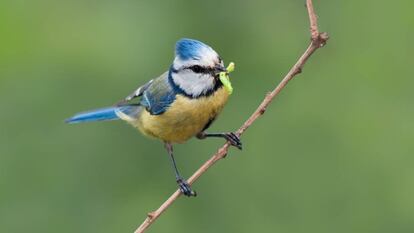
(218, 69)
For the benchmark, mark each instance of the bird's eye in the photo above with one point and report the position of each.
(197, 69)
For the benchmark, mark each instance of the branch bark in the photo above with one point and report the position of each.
(317, 40)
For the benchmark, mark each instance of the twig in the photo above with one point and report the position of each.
(317, 40)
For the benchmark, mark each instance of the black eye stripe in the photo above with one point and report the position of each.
(200, 69)
(197, 69)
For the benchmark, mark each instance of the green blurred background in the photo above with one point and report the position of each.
(333, 153)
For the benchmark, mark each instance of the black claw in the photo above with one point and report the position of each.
(234, 140)
(185, 188)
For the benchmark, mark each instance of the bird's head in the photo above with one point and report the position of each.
(196, 67)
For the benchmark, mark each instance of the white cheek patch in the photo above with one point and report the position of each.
(192, 83)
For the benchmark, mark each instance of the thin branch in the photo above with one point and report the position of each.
(313, 20)
(317, 41)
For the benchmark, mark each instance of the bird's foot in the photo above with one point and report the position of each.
(185, 188)
(233, 139)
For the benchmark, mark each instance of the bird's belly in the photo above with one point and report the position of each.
(184, 118)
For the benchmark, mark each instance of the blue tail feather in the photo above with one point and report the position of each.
(103, 114)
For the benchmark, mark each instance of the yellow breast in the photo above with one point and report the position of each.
(184, 118)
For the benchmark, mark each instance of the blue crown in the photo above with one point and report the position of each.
(188, 48)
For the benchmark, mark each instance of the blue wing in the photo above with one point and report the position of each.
(159, 95)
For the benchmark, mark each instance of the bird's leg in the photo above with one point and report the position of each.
(230, 137)
(182, 183)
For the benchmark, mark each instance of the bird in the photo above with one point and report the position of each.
(180, 104)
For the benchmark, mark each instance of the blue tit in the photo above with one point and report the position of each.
(176, 106)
